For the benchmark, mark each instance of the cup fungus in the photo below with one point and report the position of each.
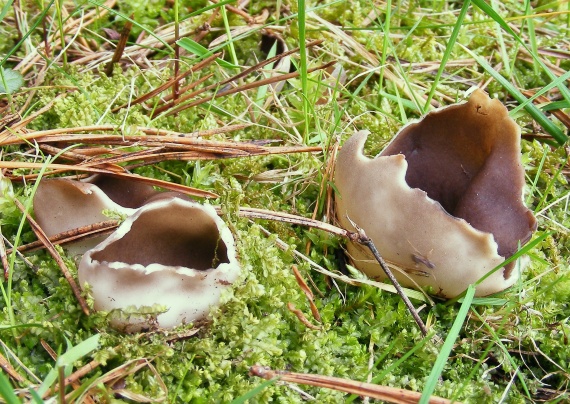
(442, 202)
(172, 252)
(62, 204)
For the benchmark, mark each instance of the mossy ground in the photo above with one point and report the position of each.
(513, 347)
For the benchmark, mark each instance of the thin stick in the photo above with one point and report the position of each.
(9, 369)
(53, 252)
(80, 233)
(361, 237)
(386, 393)
(120, 46)
(4, 257)
(255, 84)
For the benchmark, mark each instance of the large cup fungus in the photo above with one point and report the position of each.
(170, 251)
(442, 202)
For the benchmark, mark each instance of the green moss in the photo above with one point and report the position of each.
(522, 340)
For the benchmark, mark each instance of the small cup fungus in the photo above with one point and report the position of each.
(443, 201)
(172, 252)
(61, 205)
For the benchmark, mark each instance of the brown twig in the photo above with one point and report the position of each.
(386, 393)
(249, 86)
(305, 288)
(232, 79)
(151, 181)
(80, 233)
(361, 237)
(169, 83)
(120, 46)
(4, 257)
(187, 88)
(53, 252)
(9, 369)
(291, 307)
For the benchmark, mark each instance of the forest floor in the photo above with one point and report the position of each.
(244, 105)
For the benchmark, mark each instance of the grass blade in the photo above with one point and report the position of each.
(252, 393)
(5, 9)
(24, 37)
(202, 52)
(301, 21)
(7, 391)
(75, 353)
(495, 16)
(447, 346)
(536, 113)
(447, 53)
(542, 91)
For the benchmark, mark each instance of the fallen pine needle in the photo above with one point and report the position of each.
(386, 393)
(305, 288)
(53, 252)
(291, 307)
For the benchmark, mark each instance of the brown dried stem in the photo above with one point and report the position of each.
(170, 82)
(80, 233)
(4, 256)
(232, 79)
(361, 237)
(120, 46)
(299, 314)
(151, 181)
(9, 369)
(54, 135)
(388, 394)
(305, 288)
(53, 252)
(249, 86)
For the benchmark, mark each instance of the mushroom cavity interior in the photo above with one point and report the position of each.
(172, 252)
(443, 201)
(187, 237)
